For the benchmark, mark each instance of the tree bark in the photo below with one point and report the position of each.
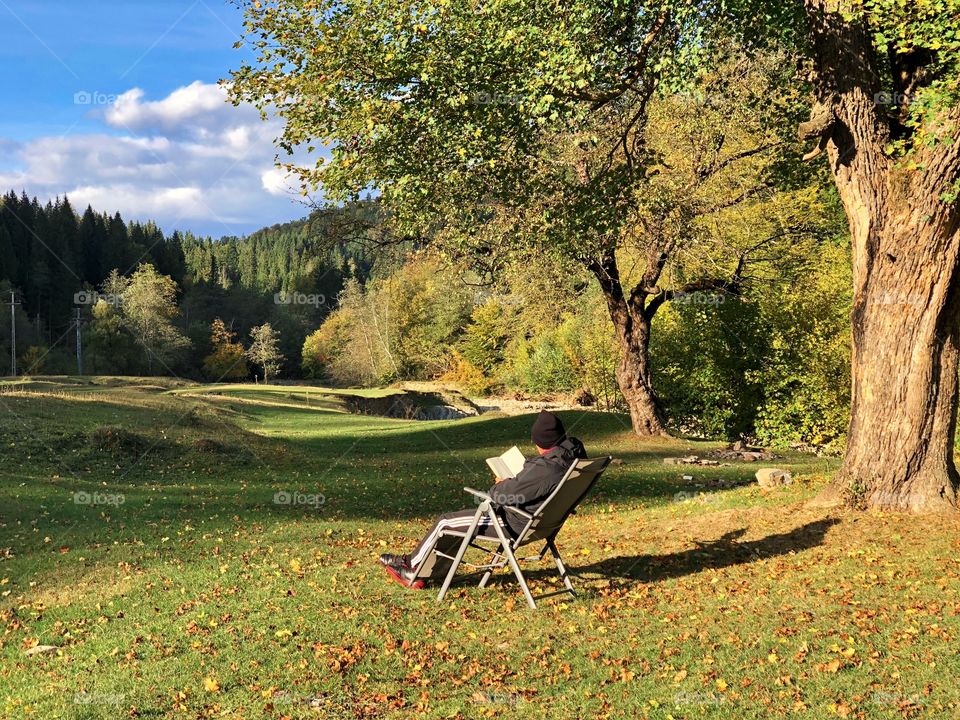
(906, 308)
(632, 325)
(906, 346)
(634, 378)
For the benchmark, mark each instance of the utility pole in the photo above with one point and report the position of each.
(13, 333)
(79, 346)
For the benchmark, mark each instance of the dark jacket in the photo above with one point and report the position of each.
(538, 478)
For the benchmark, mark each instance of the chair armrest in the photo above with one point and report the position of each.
(518, 511)
(477, 493)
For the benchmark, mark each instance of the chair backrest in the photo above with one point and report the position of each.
(554, 511)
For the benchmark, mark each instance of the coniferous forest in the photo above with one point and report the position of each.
(60, 262)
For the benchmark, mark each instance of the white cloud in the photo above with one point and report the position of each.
(277, 181)
(197, 106)
(190, 160)
(185, 201)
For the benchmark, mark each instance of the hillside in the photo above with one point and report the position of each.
(57, 263)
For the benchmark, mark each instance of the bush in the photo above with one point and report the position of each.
(590, 343)
(33, 361)
(807, 374)
(705, 358)
(467, 376)
(541, 365)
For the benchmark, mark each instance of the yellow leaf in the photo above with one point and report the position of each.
(722, 685)
(211, 685)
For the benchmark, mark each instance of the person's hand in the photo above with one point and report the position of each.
(498, 480)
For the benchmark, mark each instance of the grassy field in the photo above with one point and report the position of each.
(139, 536)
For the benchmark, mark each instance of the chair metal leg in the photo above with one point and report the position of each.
(497, 561)
(514, 564)
(463, 549)
(489, 573)
(560, 566)
(523, 583)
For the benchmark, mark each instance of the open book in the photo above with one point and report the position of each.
(507, 465)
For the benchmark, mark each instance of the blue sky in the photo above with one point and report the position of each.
(115, 103)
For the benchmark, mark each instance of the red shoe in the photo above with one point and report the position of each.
(404, 577)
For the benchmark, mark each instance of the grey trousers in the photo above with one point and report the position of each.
(428, 564)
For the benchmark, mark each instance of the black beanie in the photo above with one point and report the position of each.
(548, 431)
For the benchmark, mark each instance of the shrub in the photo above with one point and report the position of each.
(705, 359)
(541, 366)
(467, 376)
(807, 373)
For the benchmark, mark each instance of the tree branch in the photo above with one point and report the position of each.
(632, 72)
(745, 195)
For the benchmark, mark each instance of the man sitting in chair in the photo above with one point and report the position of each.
(532, 485)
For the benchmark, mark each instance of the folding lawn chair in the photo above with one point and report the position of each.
(543, 524)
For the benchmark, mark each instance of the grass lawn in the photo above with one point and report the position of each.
(140, 537)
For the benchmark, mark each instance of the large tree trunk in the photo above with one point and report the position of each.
(632, 325)
(633, 377)
(906, 311)
(906, 346)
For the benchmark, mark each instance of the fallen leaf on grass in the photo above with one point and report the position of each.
(841, 709)
(829, 667)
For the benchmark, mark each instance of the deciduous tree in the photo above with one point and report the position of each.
(264, 351)
(226, 362)
(886, 80)
(517, 132)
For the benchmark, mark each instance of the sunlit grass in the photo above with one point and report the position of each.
(199, 596)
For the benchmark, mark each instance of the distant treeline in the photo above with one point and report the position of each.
(56, 260)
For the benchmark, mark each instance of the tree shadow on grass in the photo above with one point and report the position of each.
(725, 551)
